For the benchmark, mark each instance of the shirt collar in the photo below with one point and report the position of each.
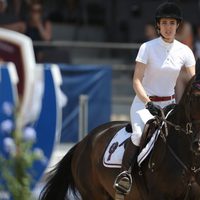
(165, 44)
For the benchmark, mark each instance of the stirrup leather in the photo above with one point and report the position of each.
(123, 182)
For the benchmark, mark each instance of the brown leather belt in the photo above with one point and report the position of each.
(166, 98)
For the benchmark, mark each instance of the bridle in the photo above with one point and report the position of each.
(187, 130)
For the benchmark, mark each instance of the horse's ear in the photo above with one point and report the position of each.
(197, 79)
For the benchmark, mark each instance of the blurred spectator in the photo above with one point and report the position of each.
(197, 42)
(38, 28)
(185, 34)
(150, 31)
(10, 21)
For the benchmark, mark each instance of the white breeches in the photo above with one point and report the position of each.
(139, 116)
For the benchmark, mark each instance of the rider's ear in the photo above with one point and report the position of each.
(158, 27)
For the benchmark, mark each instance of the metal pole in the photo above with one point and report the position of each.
(83, 116)
(83, 44)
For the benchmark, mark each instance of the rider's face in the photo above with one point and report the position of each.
(168, 27)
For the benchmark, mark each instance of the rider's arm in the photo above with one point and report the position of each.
(185, 75)
(137, 82)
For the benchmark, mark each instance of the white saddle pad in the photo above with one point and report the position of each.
(115, 150)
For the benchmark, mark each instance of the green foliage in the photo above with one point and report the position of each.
(16, 163)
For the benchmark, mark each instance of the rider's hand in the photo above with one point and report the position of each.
(154, 109)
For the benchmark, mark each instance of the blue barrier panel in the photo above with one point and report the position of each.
(94, 81)
(7, 92)
(46, 125)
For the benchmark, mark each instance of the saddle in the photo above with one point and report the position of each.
(150, 127)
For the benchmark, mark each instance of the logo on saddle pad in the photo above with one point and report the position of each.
(115, 150)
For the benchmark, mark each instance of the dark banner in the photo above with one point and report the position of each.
(94, 81)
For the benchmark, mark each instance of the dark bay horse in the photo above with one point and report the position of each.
(171, 171)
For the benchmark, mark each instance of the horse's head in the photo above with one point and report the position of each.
(191, 105)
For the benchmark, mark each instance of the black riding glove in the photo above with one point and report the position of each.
(153, 108)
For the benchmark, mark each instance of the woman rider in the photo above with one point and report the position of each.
(163, 68)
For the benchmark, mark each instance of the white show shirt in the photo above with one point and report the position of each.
(164, 62)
